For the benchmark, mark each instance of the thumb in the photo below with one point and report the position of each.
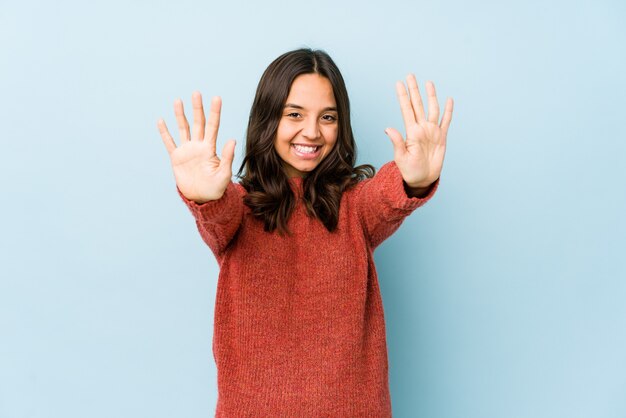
(398, 143)
(228, 154)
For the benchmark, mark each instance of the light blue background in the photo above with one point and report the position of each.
(504, 296)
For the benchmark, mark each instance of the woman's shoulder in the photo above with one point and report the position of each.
(360, 179)
(353, 189)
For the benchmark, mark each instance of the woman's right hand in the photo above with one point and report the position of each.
(200, 175)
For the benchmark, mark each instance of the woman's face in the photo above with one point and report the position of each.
(307, 130)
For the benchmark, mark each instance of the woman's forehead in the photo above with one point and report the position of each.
(311, 90)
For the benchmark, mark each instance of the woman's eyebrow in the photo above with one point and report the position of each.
(326, 109)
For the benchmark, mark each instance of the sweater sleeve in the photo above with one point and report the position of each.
(218, 220)
(382, 203)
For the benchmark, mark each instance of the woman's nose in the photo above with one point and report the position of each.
(311, 129)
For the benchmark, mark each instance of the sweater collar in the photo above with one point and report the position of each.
(296, 185)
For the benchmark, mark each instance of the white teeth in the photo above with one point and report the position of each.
(308, 150)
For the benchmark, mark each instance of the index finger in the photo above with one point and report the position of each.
(416, 98)
(405, 104)
(183, 125)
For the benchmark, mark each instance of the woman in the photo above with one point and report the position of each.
(299, 325)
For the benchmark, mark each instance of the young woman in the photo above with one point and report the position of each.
(299, 325)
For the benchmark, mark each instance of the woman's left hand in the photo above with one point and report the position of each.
(420, 157)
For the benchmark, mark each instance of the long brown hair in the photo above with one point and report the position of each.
(269, 195)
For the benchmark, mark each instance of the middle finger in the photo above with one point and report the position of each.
(198, 117)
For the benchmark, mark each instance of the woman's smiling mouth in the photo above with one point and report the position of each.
(306, 151)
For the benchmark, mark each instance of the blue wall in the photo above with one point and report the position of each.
(504, 295)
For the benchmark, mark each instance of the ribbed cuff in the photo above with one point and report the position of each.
(393, 189)
(213, 210)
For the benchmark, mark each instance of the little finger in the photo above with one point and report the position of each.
(170, 145)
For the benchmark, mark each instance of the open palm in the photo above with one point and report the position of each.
(200, 175)
(420, 157)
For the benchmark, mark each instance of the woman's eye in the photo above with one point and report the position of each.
(329, 118)
(293, 115)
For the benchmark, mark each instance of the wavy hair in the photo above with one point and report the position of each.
(269, 195)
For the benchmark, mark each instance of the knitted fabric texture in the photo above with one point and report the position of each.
(299, 328)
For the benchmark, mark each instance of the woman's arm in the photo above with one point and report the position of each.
(382, 202)
(420, 157)
(203, 180)
(412, 178)
(218, 220)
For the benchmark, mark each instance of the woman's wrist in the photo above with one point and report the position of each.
(416, 191)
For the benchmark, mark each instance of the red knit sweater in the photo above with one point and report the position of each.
(299, 324)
